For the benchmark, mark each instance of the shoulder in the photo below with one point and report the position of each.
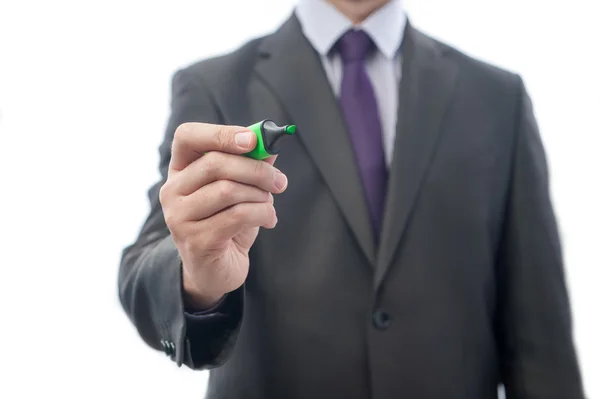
(496, 90)
(474, 70)
(217, 73)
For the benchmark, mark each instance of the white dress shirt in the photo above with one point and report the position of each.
(323, 25)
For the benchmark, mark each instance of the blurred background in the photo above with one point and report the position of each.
(84, 99)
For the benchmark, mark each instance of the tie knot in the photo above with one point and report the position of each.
(355, 45)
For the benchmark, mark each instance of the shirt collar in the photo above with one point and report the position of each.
(323, 25)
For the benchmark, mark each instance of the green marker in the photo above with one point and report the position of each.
(268, 135)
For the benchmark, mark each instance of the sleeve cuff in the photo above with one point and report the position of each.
(211, 334)
(220, 307)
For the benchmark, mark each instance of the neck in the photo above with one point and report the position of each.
(358, 10)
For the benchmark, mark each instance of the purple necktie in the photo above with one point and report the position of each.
(360, 111)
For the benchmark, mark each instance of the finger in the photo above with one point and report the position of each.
(232, 221)
(220, 195)
(221, 166)
(193, 140)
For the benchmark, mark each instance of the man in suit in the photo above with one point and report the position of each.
(411, 250)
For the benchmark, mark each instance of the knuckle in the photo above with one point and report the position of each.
(164, 192)
(171, 219)
(182, 132)
(172, 211)
(223, 138)
(211, 163)
(227, 190)
(208, 159)
(239, 214)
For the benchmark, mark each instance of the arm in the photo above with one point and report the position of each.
(150, 281)
(536, 344)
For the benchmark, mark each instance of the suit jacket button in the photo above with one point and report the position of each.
(170, 348)
(381, 320)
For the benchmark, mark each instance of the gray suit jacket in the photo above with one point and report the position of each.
(466, 289)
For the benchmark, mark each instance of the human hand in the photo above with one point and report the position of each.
(214, 202)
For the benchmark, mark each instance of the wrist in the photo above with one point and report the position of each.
(196, 299)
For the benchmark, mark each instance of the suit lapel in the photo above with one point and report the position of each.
(293, 72)
(425, 90)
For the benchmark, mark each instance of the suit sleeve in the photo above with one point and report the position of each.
(539, 360)
(150, 279)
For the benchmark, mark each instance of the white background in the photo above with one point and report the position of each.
(84, 96)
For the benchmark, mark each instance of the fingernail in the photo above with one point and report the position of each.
(243, 139)
(280, 180)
